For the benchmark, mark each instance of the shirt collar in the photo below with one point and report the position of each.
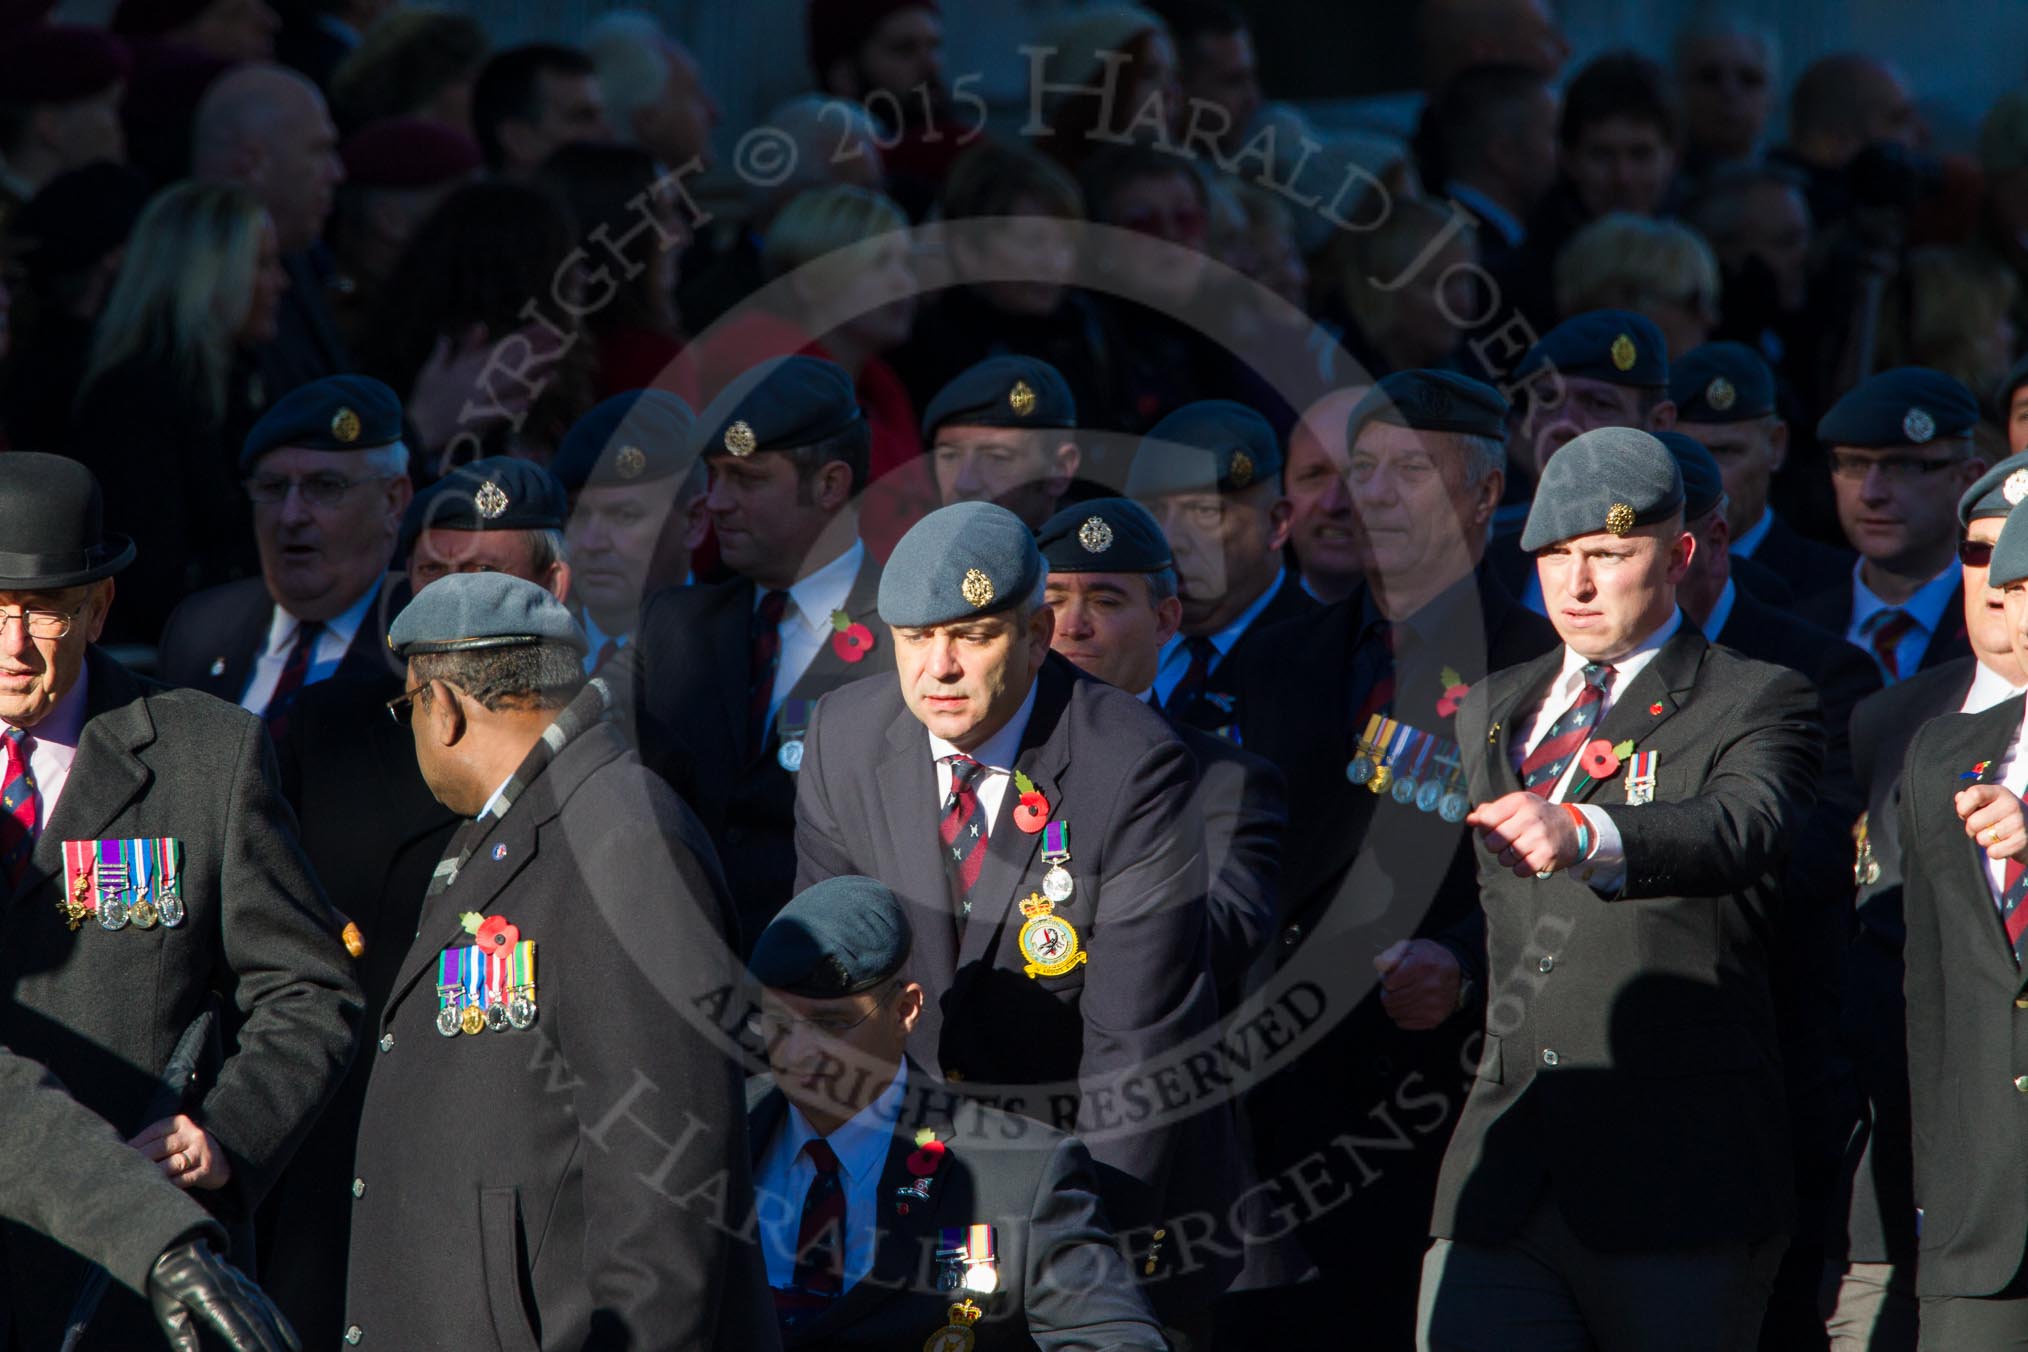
(282, 628)
(1926, 607)
(998, 751)
(1989, 687)
(1751, 538)
(825, 590)
(1486, 209)
(1630, 666)
(862, 1141)
(64, 724)
(1722, 611)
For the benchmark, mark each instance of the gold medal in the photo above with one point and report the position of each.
(143, 914)
(1382, 776)
(472, 1020)
(1047, 940)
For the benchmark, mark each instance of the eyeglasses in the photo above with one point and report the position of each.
(402, 705)
(1975, 553)
(319, 490)
(1893, 468)
(771, 1028)
(40, 623)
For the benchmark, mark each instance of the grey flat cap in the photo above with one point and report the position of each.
(967, 559)
(1610, 479)
(481, 610)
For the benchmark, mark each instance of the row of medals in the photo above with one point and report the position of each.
(453, 1018)
(1444, 796)
(115, 912)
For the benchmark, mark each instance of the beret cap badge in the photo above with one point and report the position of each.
(629, 463)
(1720, 394)
(1619, 518)
(977, 588)
(491, 500)
(739, 439)
(1097, 537)
(1624, 354)
(345, 425)
(2016, 487)
(1918, 426)
(1021, 398)
(1241, 473)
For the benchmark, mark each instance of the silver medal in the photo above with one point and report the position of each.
(1056, 884)
(496, 1018)
(1429, 795)
(1454, 807)
(521, 1010)
(1403, 789)
(790, 757)
(171, 909)
(447, 1020)
(112, 911)
(1361, 769)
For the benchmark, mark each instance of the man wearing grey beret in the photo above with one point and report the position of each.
(1635, 793)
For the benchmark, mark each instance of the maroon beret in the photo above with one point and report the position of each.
(409, 152)
(838, 27)
(62, 63)
(153, 18)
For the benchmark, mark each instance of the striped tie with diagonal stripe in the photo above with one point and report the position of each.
(963, 830)
(17, 807)
(1545, 765)
(2012, 910)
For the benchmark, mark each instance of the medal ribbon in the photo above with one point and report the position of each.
(142, 852)
(1367, 739)
(524, 965)
(1397, 746)
(474, 963)
(450, 984)
(77, 863)
(112, 870)
(794, 718)
(1056, 842)
(1423, 748)
(169, 865)
(499, 973)
(979, 1246)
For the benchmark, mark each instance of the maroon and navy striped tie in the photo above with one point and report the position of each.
(1566, 737)
(2012, 911)
(963, 830)
(819, 1276)
(17, 807)
(288, 685)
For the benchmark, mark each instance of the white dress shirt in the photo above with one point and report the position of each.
(52, 746)
(783, 1176)
(1175, 658)
(806, 620)
(1989, 687)
(1926, 608)
(1605, 867)
(324, 658)
(996, 753)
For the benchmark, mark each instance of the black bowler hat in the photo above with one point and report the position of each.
(50, 525)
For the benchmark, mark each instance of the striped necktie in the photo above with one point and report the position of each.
(2012, 912)
(962, 830)
(1545, 765)
(17, 807)
(820, 1242)
(1884, 631)
(295, 671)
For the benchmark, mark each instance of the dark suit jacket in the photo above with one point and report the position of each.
(1289, 602)
(523, 1185)
(1071, 1048)
(1062, 1282)
(1832, 609)
(104, 1009)
(1630, 1048)
(1809, 566)
(373, 833)
(689, 663)
(213, 639)
(1967, 1036)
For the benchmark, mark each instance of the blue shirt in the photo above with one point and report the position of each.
(1926, 608)
(1176, 657)
(785, 1171)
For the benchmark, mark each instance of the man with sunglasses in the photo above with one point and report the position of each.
(328, 474)
(1900, 447)
(863, 1161)
(148, 866)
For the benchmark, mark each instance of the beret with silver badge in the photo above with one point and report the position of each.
(1103, 535)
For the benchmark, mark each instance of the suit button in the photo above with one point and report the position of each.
(2021, 1002)
(358, 1187)
(1292, 936)
(1548, 964)
(955, 1076)
(387, 1042)
(2021, 1083)
(354, 1334)
(1549, 1058)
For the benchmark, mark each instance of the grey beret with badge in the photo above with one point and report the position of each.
(336, 413)
(796, 401)
(1005, 391)
(1213, 445)
(635, 437)
(498, 493)
(1431, 401)
(1997, 492)
(1721, 382)
(2010, 551)
(1610, 479)
(1104, 535)
(1907, 406)
(960, 561)
(468, 611)
(835, 938)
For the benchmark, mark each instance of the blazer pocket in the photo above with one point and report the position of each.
(1490, 1069)
(500, 1260)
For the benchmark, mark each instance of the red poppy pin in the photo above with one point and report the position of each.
(1602, 759)
(1031, 813)
(850, 640)
(1656, 708)
(497, 935)
(1454, 694)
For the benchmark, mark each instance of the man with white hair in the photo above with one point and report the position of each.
(653, 89)
(267, 128)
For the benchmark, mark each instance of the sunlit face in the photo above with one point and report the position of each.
(1989, 621)
(1025, 472)
(966, 679)
(36, 673)
(1620, 164)
(1110, 625)
(1605, 593)
(1414, 517)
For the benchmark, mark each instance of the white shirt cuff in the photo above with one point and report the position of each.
(1604, 870)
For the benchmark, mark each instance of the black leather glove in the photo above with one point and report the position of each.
(192, 1288)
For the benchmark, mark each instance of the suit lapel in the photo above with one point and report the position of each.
(827, 671)
(228, 674)
(1010, 851)
(1515, 696)
(1985, 738)
(106, 775)
(1652, 698)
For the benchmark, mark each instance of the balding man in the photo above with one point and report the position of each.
(654, 92)
(267, 128)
